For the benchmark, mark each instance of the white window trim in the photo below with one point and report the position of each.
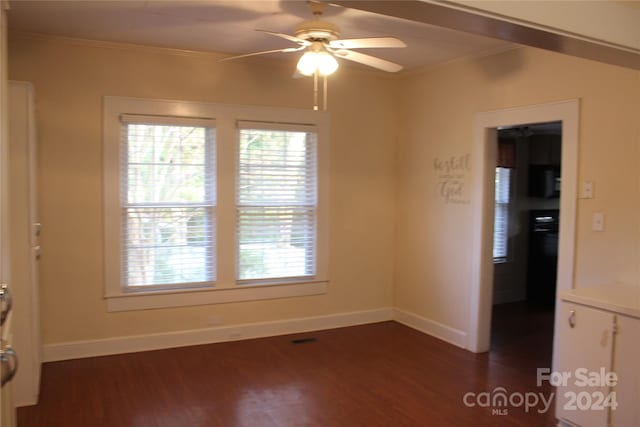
(226, 288)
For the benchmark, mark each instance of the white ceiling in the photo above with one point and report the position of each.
(228, 26)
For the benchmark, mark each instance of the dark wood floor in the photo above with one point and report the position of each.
(522, 335)
(383, 374)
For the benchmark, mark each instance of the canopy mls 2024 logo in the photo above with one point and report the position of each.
(578, 390)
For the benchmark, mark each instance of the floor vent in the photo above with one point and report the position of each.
(303, 340)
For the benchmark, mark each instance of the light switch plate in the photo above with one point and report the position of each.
(587, 190)
(597, 221)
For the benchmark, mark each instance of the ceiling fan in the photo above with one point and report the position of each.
(321, 44)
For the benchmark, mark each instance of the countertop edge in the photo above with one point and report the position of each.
(621, 299)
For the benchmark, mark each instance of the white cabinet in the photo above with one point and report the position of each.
(626, 362)
(599, 333)
(586, 342)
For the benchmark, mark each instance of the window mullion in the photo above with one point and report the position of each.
(226, 212)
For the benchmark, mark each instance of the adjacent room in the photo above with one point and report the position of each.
(308, 213)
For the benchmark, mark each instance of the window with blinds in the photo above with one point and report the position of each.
(501, 215)
(276, 201)
(168, 202)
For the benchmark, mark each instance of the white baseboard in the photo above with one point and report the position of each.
(136, 343)
(131, 344)
(431, 327)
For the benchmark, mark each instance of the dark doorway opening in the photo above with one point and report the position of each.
(526, 225)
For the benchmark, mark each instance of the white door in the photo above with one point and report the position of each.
(23, 242)
(585, 341)
(7, 410)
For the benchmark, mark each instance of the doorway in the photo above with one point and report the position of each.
(484, 159)
(525, 242)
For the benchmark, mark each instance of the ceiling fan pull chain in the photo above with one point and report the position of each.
(315, 90)
(324, 93)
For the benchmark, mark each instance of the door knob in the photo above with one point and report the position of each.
(8, 364)
(6, 302)
(572, 319)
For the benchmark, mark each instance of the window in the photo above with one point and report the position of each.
(207, 203)
(168, 202)
(501, 215)
(277, 202)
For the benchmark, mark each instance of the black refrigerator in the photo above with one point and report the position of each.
(543, 256)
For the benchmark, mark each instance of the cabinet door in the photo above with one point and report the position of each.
(625, 364)
(585, 341)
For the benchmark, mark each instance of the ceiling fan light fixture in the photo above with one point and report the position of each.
(307, 64)
(321, 46)
(322, 62)
(327, 64)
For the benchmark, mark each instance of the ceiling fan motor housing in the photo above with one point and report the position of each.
(317, 30)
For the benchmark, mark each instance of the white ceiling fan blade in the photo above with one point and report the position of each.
(296, 40)
(368, 43)
(369, 60)
(287, 50)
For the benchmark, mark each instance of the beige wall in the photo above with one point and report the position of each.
(70, 79)
(385, 136)
(433, 238)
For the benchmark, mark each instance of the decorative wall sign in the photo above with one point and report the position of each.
(452, 177)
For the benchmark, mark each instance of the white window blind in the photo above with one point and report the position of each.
(168, 201)
(276, 201)
(501, 224)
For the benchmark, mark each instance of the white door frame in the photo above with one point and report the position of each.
(483, 173)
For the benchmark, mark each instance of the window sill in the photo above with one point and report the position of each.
(209, 295)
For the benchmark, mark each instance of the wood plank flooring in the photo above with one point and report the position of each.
(383, 374)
